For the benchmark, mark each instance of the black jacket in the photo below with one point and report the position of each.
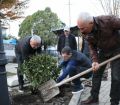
(72, 42)
(81, 59)
(24, 50)
(85, 48)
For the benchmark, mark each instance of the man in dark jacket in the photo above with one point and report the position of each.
(85, 48)
(24, 49)
(66, 39)
(73, 63)
(103, 36)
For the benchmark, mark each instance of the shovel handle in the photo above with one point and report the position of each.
(85, 72)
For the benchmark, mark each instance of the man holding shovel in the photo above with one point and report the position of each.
(103, 36)
(73, 63)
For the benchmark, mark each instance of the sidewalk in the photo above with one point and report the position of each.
(11, 67)
(104, 91)
(104, 98)
(12, 79)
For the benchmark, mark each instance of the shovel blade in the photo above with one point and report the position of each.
(48, 93)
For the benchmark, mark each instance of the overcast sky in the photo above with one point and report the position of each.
(61, 8)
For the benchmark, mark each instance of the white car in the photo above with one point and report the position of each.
(52, 51)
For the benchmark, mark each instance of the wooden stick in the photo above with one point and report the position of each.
(85, 72)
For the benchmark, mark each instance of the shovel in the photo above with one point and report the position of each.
(50, 89)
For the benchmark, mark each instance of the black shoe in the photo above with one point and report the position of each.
(21, 87)
(77, 89)
(90, 100)
(113, 103)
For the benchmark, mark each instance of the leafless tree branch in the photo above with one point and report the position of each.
(111, 7)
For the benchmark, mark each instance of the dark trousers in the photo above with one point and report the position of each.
(19, 74)
(115, 78)
(75, 71)
(20, 77)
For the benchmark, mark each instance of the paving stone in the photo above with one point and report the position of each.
(75, 99)
(12, 81)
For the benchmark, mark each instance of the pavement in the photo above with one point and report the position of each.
(11, 67)
(10, 54)
(104, 91)
(12, 80)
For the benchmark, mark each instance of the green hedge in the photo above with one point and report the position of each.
(39, 69)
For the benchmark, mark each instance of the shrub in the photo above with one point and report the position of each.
(39, 69)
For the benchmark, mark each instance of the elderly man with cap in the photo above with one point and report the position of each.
(24, 49)
(103, 36)
(67, 39)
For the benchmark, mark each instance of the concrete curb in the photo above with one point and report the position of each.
(75, 100)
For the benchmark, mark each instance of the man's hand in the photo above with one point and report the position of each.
(95, 66)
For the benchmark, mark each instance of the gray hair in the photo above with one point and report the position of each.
(85, 17)
(36, 38)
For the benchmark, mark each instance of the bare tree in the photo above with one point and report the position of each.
(13, 8)
(111, 7)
